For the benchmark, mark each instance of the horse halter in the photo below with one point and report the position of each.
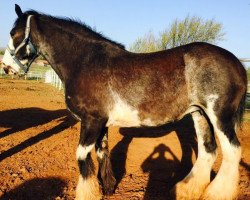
(29, 45)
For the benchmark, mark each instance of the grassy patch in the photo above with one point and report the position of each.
(248, 74)
(38, 68)
(248, 105)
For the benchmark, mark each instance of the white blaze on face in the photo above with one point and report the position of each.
(9, 62)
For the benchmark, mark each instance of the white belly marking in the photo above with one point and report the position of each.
(121, 114)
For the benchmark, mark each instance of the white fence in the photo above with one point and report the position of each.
(53, 78)
(48, 77)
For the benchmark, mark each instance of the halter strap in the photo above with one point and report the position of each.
(26, 41)
(27, 33)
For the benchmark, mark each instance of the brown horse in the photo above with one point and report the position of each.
(106, 85)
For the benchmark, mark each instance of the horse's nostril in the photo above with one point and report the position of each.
(6, 70)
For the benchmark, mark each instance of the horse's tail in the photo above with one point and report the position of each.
(240, 112)
(238, 117)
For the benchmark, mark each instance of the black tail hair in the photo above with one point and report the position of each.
(240, 111)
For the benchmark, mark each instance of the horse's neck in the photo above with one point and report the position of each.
(65, 49)
(56, 46)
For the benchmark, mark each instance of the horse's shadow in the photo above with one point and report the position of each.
(17, 120)
(173, 171)
(38, 188)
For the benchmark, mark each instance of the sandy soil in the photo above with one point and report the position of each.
(38, 140)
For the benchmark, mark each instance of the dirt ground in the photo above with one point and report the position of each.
(38, 140)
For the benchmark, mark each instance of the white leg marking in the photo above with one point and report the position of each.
(194, 184)
(82, 152)
(225, 184)
(88, 189)
(100, 153)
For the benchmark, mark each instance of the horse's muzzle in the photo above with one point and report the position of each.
(8, 70)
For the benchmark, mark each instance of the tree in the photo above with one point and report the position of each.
(148, 43)
(191, 29)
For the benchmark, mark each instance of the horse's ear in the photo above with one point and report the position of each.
(18, 10)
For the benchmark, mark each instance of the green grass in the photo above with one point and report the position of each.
(246, 116)
(248, 105)
(38, 68)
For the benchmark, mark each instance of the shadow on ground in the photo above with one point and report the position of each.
(16, 120)
(20, 119)
(37, 189)
(163, 173)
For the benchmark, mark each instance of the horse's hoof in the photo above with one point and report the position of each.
(221, 192)
(88, 189)
(189, 189)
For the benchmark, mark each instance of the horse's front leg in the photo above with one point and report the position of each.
(88, 187)
(194, 184)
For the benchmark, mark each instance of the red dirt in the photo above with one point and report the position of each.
(38, 140)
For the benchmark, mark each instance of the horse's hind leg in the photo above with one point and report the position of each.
(194, 184)
(225, 184)
(105, 169)
(88, 187)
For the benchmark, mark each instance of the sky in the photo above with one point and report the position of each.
(125, 21)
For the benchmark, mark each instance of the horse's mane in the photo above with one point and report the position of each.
(75, 24)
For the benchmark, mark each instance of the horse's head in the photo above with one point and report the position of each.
(20, 52)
